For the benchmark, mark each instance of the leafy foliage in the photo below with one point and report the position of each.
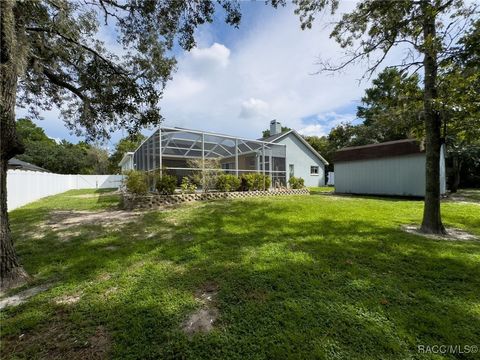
(127, 144)
(63, 157)
(266, 133)
(165, 184)
(137, 182)
(207, 178)
(187, 186)
(254, 182)
(296, 182)
(228, 182)
(99, 90)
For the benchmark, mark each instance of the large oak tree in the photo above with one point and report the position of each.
(51, 55)
(429, 31)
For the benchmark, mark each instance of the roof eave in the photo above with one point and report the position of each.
(305, 142)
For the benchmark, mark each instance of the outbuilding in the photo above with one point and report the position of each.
(391, 168)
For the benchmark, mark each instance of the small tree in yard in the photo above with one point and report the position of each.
(206, 173)
(430, 29)
(50, 55)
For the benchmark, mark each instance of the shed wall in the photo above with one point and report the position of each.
(402, 175)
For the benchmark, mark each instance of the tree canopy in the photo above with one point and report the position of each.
(98, 90)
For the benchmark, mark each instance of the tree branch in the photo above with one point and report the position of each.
(109, 63)
(55, 79)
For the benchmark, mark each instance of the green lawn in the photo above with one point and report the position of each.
(321, 190)
(300, 277)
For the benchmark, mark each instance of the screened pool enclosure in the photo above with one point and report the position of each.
(181, 151)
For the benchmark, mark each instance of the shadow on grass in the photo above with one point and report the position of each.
(291, 284)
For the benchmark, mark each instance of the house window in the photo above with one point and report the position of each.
(313, 170)
(291, 170)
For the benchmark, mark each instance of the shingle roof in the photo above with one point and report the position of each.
(14, 163)
(380, 150)
(273, 137)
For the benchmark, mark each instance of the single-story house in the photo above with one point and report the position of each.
(16, 164)
(390, 168)
(301, 158)
(126, 163)
(178, 148)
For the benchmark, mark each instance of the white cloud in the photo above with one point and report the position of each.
(239, 86)
(313, 130)
(215, 55)
(253, 108)
(322, 124)
(265, 75)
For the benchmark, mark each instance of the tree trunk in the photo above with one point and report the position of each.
(456, 166)
(11, 272)
(432, 221)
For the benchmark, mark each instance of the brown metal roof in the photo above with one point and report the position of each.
(381, 150)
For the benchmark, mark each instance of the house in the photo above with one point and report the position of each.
(389, 168)
(184, 151)
(301, 158)
(15, 164)
(126, 163)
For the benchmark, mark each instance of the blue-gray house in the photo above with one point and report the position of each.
(183, 151)
(302, 160)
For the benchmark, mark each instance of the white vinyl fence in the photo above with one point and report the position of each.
(24, 187)
(331, 178)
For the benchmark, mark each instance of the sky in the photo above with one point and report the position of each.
(236, 80)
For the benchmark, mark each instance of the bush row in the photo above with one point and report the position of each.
(138, 182)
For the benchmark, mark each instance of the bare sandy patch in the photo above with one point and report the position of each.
(22, 296)
(58, 340)
(60, 220)
(68, 299)
(111, 291)
(453, 234)
(85, 196)
(203, 320)
(104, 277)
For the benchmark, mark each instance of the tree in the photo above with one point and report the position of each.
(376, 27)
(38, 146)
(50, 56)
(266, 133)
(459, 91)
(392, 107)
(97, 160)
(129, 143)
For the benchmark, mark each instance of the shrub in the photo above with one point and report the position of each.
(227, 183)
(166, 184)
(207, 179)
(296, 183)
(187, 186)
(137, 182)
(255, 181)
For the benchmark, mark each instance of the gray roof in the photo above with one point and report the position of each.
(274, 138)
(271, 138)
(16, 164)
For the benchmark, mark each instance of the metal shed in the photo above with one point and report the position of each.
(390, 168)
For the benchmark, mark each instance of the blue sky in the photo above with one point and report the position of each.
(236, 80)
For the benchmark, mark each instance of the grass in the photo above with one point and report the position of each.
(299, 277)
(316, 190)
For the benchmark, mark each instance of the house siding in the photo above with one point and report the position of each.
(302, 158)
